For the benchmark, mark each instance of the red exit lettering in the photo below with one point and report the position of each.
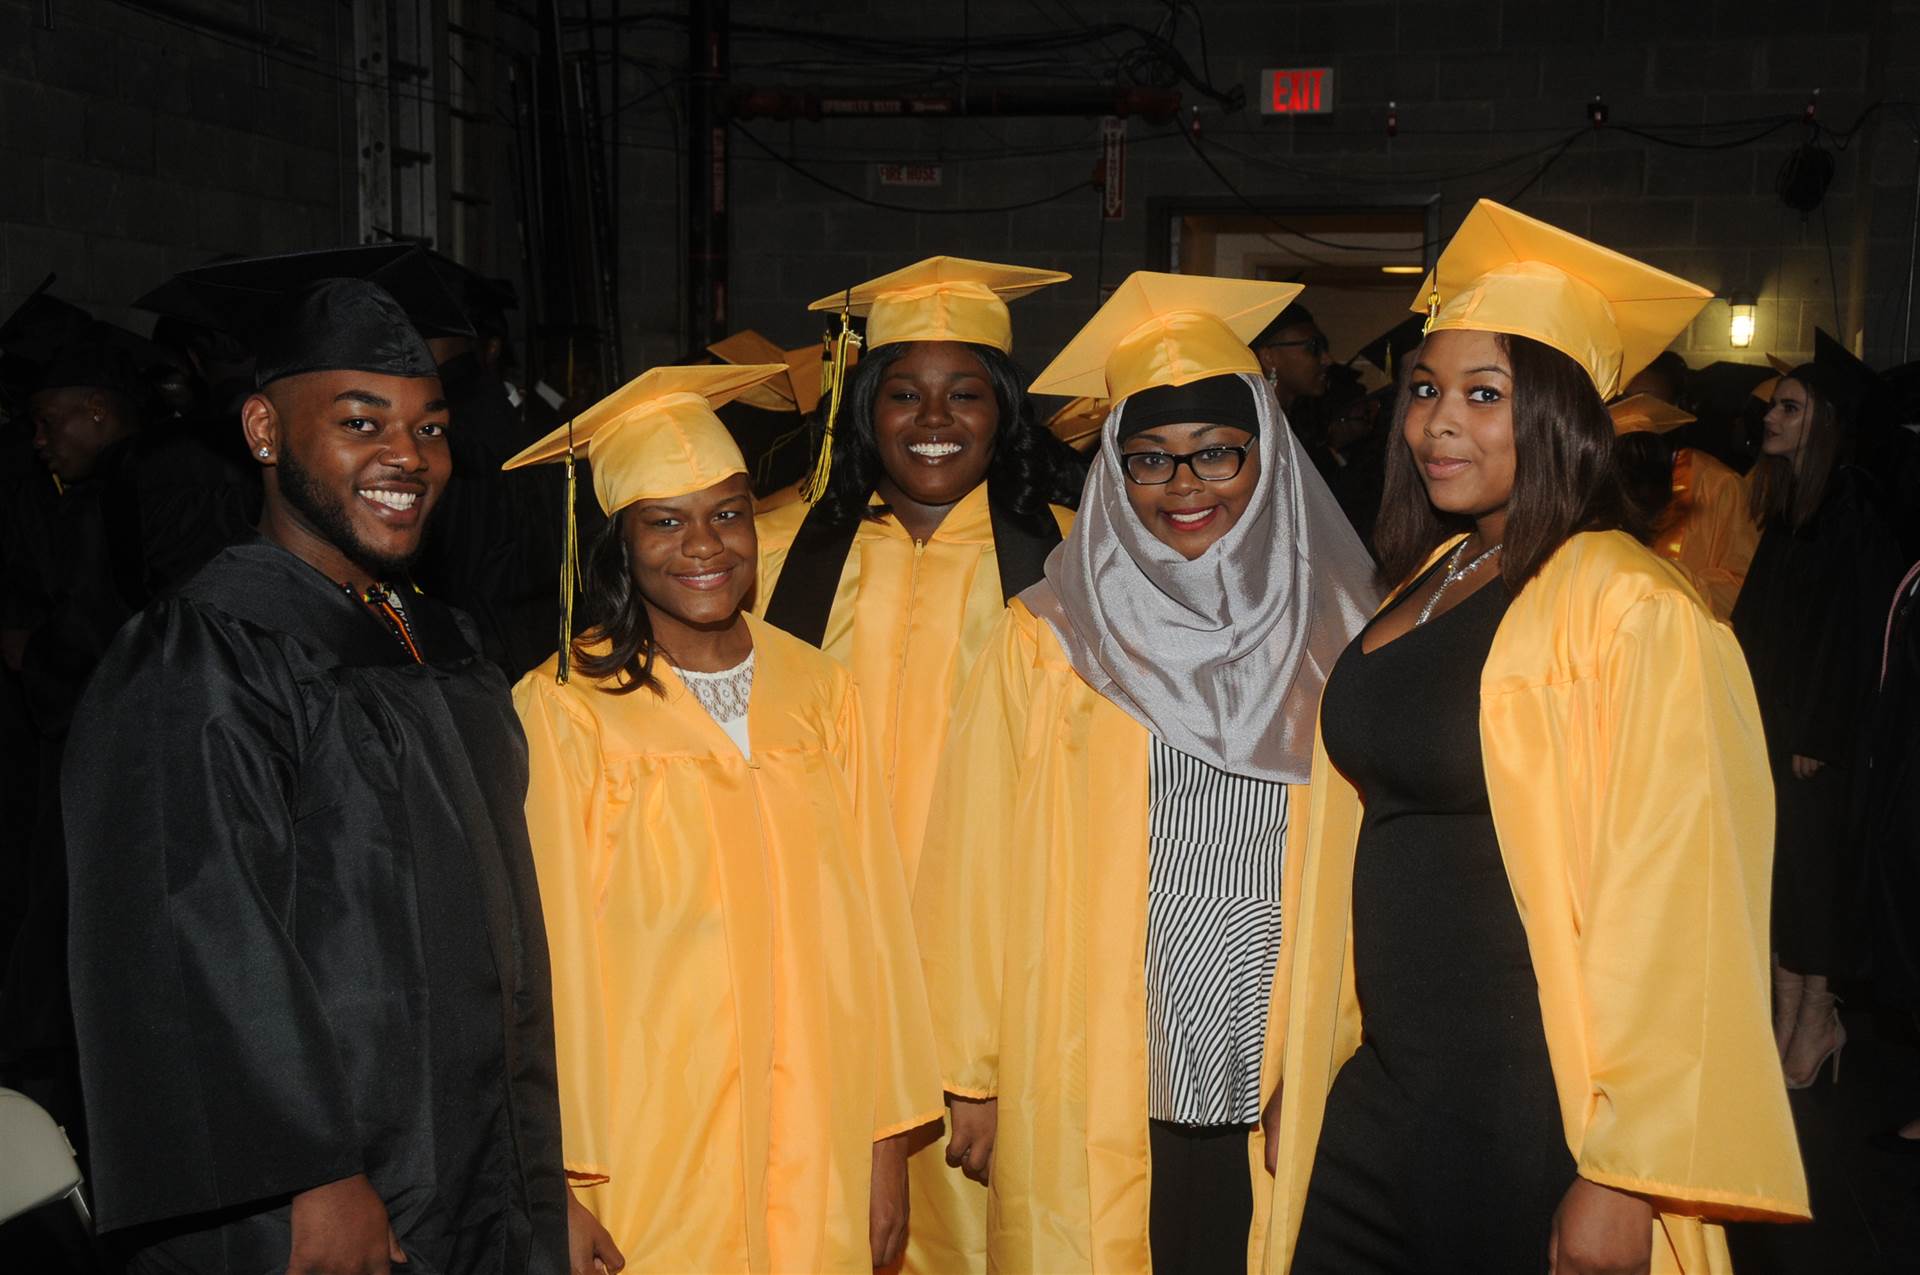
(1299, 91)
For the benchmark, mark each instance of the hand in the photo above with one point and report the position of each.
(1600, 1231)
(970, 1146)
(1806, 767)
(887, 1204)
(590, 1249)
(1270, 1131)
(342, 1229)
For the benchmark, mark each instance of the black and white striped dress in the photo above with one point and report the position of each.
(1213, 936)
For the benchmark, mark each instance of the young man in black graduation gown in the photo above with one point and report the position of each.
(309, 972)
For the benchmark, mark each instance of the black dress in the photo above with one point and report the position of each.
(1442, 1148)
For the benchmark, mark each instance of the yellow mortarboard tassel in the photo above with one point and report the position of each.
(833, 376)
(59, 488)
(569, 566)
(1433, 309)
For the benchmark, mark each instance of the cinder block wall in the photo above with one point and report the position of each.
(1476, 82)
(131, 147)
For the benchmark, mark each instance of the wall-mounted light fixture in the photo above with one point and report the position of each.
(1742, 307)
(1403, 269)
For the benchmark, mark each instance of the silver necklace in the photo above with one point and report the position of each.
(1455, 574)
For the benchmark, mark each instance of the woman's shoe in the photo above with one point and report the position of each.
(1788, 988)
(1820, 1023)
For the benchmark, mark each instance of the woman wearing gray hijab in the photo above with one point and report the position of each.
(1099, 898)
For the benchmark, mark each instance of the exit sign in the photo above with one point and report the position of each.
(1306, 90)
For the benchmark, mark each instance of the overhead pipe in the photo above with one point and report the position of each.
(1155, 104)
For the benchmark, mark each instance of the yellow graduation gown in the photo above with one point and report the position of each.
(909, 619)
(736, 1006)
(1634, 808)
(1714, 539)
(1031, 905)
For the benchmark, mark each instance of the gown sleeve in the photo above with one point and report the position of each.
(211, 1069)
(565, 809)
(960, 907)
(907, 1086)
(1687, 1103)
(1727, 534)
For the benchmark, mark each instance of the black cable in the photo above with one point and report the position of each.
(1833, 276)
(844, 193)
(1545, 165)
(1734, 144)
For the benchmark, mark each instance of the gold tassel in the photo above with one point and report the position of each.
(836, 355)
(569, 566)
(1433, 311)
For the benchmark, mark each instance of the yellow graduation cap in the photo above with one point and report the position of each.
(797, 391)
(942, 299)
(1510, 273)
(654, 438)
(1780, 365)
(1166, 329)
(1078, 423)
(1646, 412)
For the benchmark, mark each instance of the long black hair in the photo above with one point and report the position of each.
(1565, 479)
(616, 615)
(1030, 469)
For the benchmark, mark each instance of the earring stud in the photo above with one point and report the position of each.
(265, 452)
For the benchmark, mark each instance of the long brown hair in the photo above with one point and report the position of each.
(1782, 492)
(1564, 478)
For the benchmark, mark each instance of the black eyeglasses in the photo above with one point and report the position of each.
(1211, 464)
(1314, 345)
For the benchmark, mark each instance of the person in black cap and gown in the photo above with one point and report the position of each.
(120, 512)
(1810, 619)
(309, 969)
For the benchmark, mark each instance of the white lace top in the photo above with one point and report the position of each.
(724, 695)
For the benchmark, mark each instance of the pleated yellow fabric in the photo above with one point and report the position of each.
(1031, 906)
(737, 1012)
(1714, 537)
(909, 619)
(1631, 796)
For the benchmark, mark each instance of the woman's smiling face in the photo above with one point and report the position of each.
(1185, 511)
(1459, 422)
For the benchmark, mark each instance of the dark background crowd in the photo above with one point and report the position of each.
(543, 179)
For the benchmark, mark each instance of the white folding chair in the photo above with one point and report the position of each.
(37, 1167)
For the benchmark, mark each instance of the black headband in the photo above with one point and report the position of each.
(1216, 400)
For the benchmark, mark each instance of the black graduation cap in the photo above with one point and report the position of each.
(105, 356)
(1388, 349)
(481, 297)
(41, 324)
(49, 343)
(239, 294)
(1854, 384)
(1723, 387)
(362, 308)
